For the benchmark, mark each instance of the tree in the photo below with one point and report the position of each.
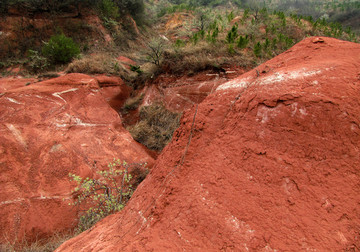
(257, 49)
(243, 42)
(156, 50)
(255, 8)
(203, 20)
(232, 34)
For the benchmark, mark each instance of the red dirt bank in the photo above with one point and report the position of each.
(47, 130)
(273, 165)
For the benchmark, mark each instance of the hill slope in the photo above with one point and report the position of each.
(270, 162)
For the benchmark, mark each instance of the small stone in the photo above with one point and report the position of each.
(318, 40)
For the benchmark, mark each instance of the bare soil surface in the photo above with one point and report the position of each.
(50, 129)
(268, 162)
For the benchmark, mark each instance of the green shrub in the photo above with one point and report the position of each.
(60, 49)
(110, 24)
(232, 34)
(195, 38)
(136, 69)
(230, 16)
(36, 62)
(266, 44)
(257, 49)
(245, 15)
(213, 36)
(109, 9)
(103, 196)
(243, 42)
(179, 43)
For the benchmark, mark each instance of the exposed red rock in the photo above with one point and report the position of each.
(181, 93)
(47, 130)
(95, 21)
(271, 163)
(9, 83)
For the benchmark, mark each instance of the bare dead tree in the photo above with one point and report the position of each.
(156, 50)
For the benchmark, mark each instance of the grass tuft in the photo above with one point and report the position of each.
(155, 127)
(132, 103)
(100, 63)
(45, 245)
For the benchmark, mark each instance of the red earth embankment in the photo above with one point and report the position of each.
(48, 130)
(181, 93)
(269, 162)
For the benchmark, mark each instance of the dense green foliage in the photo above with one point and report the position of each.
(60, 49)
(109, 9)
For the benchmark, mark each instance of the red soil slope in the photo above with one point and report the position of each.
(272, 165)
(47, 130)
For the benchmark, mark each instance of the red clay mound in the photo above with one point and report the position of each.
(47, 130)
(272, 165)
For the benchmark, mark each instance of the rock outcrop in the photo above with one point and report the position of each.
(269, 162)
(181, 93)
(47, 130)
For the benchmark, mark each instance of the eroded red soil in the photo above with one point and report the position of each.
(50, 129)
(268, 162)
(181, 93)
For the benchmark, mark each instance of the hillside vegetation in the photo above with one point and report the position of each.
(196, 34)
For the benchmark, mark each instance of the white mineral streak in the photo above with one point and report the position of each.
(274, 78)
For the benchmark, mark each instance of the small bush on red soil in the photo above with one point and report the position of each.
(105, 195)
(60, 49)
(155, 127)
(36, 62)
